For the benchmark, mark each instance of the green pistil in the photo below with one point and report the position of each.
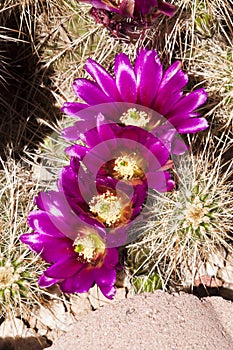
(104, 207)
(136, 118)
(78, 248)
(126, 167)
(107, 207)
(134, 115)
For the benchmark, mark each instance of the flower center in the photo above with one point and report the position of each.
(135, 118)
(126, 167)
(89, 248)
(107, 207)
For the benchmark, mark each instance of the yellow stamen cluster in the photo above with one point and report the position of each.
(89, 247)
(126, 167)
(135, 118)
(107, 206)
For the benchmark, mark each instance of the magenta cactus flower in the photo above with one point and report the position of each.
(100, 201)
(77, 251)
(129, 154)
(145, 84)
(133, 8)
(128, 18)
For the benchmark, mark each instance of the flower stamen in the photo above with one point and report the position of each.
(89, 248)
(126, 167)
(135, 118)
(107, 207)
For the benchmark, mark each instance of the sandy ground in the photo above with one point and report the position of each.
(154, 321)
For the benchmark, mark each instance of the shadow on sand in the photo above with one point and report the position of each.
(19, 343)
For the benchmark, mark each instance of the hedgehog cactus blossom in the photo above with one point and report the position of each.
(125, 153)
(133, 8)
(77, 251)
(142, 85)
(121, 17)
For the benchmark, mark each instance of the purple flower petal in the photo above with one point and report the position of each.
(78, 189)
(72, 108)
(193, 125)
(105, 81)
(89, 91)
(100, 4)
(179, 147)
(53, 203)
(42, 222)
(108, 291)
(71, 133)
(68, 182)
(157, 156)
(187, 104)
(77, 151)
(67, 286)
(168, 102)
(104, 276)
(60, 220)
(111, 257)
(84, 280)
(148, 70)
(143, 7)
(170, 73)
(105, 132)
(168, 93)
(81, 282)
(167, 9)
(160, 181)
(125, 78)
(51, 249)
(64, 268)
(126, 8)
(45, 282)
(132, 133)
